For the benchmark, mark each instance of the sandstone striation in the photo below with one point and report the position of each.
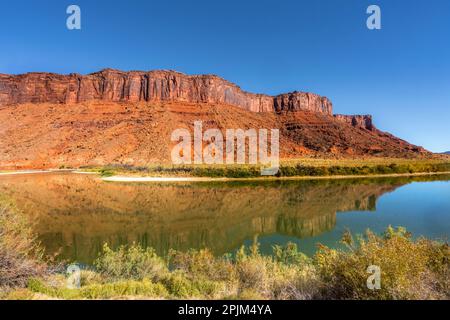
(50, 120)
(164, 86)
(302, 101)
(362, 121)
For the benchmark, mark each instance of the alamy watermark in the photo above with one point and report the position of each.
(374, 20)
(374, 280)
(74, 277)
(73, 22)
(212, 147)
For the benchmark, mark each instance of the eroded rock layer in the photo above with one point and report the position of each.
(50, 120)
(117, 86)
(362, 121)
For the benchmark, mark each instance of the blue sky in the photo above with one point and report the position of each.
(400, 74)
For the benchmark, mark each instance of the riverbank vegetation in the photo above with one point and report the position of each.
(410, 269)
(20, 255)
(288, 168)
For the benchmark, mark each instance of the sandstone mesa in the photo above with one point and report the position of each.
(111, 116)
(160, 85)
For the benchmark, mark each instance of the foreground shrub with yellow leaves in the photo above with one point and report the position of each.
(20, 256)
(409, 269)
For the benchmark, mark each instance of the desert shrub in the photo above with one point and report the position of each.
(119, 289)
(133, 262)
(293, 275)
(293, 282)
(18, 294)
(227, 171)
(209, 275)
(252, 271)
(144, 288)
(305, 167)
(180, 286)
(382, 168)
(90, 277)
(286, 275)
(211, 289)
(288, 171)
(289, 255)
(247, 294)
(201, 264)
(20, 255)
(106, 172)
(409, 269)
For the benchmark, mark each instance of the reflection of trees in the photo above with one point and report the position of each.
(79, 213)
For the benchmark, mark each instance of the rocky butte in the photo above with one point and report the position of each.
(134, 86)
(114, 116)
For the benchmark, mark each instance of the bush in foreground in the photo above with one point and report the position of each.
(133, 263)
(410, 269)
(20, 256)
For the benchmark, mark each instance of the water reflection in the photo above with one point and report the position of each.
(75, 214)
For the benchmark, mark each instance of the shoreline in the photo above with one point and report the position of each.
(157, 179)
(132, 179)
(24, 172)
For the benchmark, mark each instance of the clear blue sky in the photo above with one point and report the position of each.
(400, 74)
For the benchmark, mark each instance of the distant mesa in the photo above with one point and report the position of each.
(160, 85)
(111, 116)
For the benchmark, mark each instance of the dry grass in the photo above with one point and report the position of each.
(20, 256)
(409, 270)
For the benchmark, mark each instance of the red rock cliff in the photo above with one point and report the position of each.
(362, 121)
(295, 101)
(114, 85)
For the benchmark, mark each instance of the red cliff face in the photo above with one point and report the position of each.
(118, 86)
(49, 120)
(303, 101)
(158, 86)
(362, 121)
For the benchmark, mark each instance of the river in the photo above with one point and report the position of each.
(74, 214)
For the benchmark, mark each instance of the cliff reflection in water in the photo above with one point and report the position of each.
(75, 214)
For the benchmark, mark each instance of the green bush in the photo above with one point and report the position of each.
(179, 286)
(296, 168)
(107, 173)
(409, 269)
(286, 275)
(201, 264)
(289, 255)
(130, 288)
(20, 254)
(132, 262)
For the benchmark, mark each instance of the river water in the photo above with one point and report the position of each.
(74, 214)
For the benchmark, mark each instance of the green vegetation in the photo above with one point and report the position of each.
(20, 256)
(289, 168)
(106, 172)
(410, 269)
